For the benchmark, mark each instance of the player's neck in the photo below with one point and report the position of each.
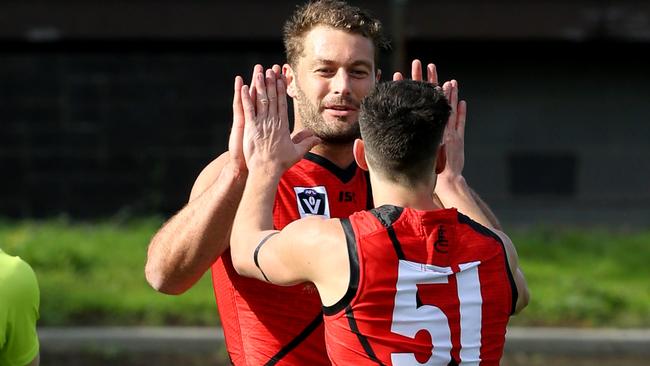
(339, 155)
(419, 197)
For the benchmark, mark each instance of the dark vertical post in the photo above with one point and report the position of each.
(398, 58)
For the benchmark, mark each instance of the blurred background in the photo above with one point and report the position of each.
(111, 107)
(109, 110)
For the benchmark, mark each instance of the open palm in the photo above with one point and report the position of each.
(267, 143)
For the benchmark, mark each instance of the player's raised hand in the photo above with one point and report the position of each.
(235, 148)
(454, 135)
(237, 130)
(257, 69)
(267, 143)
(416, 73)
(277, 69)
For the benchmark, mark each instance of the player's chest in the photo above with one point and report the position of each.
(299, 197)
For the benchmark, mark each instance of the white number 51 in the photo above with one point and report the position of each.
(408, 318)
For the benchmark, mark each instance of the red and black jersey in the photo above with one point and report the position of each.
(426, 287)
(266, 324)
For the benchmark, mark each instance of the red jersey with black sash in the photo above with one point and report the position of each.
(266, 324)
(426, 287)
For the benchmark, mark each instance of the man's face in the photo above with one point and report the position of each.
(335, 72)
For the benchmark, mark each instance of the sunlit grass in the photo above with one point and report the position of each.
(93, 273)
(585, 277)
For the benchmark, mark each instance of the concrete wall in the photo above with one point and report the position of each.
(116, 108)
(556, 131)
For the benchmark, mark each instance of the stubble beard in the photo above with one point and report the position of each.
(329, 133)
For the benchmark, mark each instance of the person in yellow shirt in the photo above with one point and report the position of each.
(19, 303)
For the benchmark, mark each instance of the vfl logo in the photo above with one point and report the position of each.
(312, 201)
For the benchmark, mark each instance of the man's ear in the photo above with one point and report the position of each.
(378, 76)
(287, 71)
(359, 151)
(441, 159)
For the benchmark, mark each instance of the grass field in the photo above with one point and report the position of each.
(92, 273)
(585, 278)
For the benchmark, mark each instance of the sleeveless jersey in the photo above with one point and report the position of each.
(266, 324)
(426, 287)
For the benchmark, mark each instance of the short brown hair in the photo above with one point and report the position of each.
(334, 14)
(402, 123)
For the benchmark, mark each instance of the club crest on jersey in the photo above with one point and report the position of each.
(312, 201)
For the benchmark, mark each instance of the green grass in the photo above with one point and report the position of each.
(92, 273)
(589, 278)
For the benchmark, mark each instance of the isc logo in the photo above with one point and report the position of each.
(312, 201)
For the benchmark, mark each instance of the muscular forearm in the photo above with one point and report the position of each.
(187, 245)
(456, 193)
(253, 220)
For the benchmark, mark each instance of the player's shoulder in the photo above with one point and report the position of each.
(18, 278)
(14, 266)
(369, 222)
(508, 246)
(471, 226)
(488, 233)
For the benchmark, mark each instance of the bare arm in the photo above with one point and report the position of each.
(187, 245)
(457, 193)
(292, 255)
(517, 273)
(269, 151)
(487, 212)
(283, 257)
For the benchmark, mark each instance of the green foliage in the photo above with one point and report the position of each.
(93, 273)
